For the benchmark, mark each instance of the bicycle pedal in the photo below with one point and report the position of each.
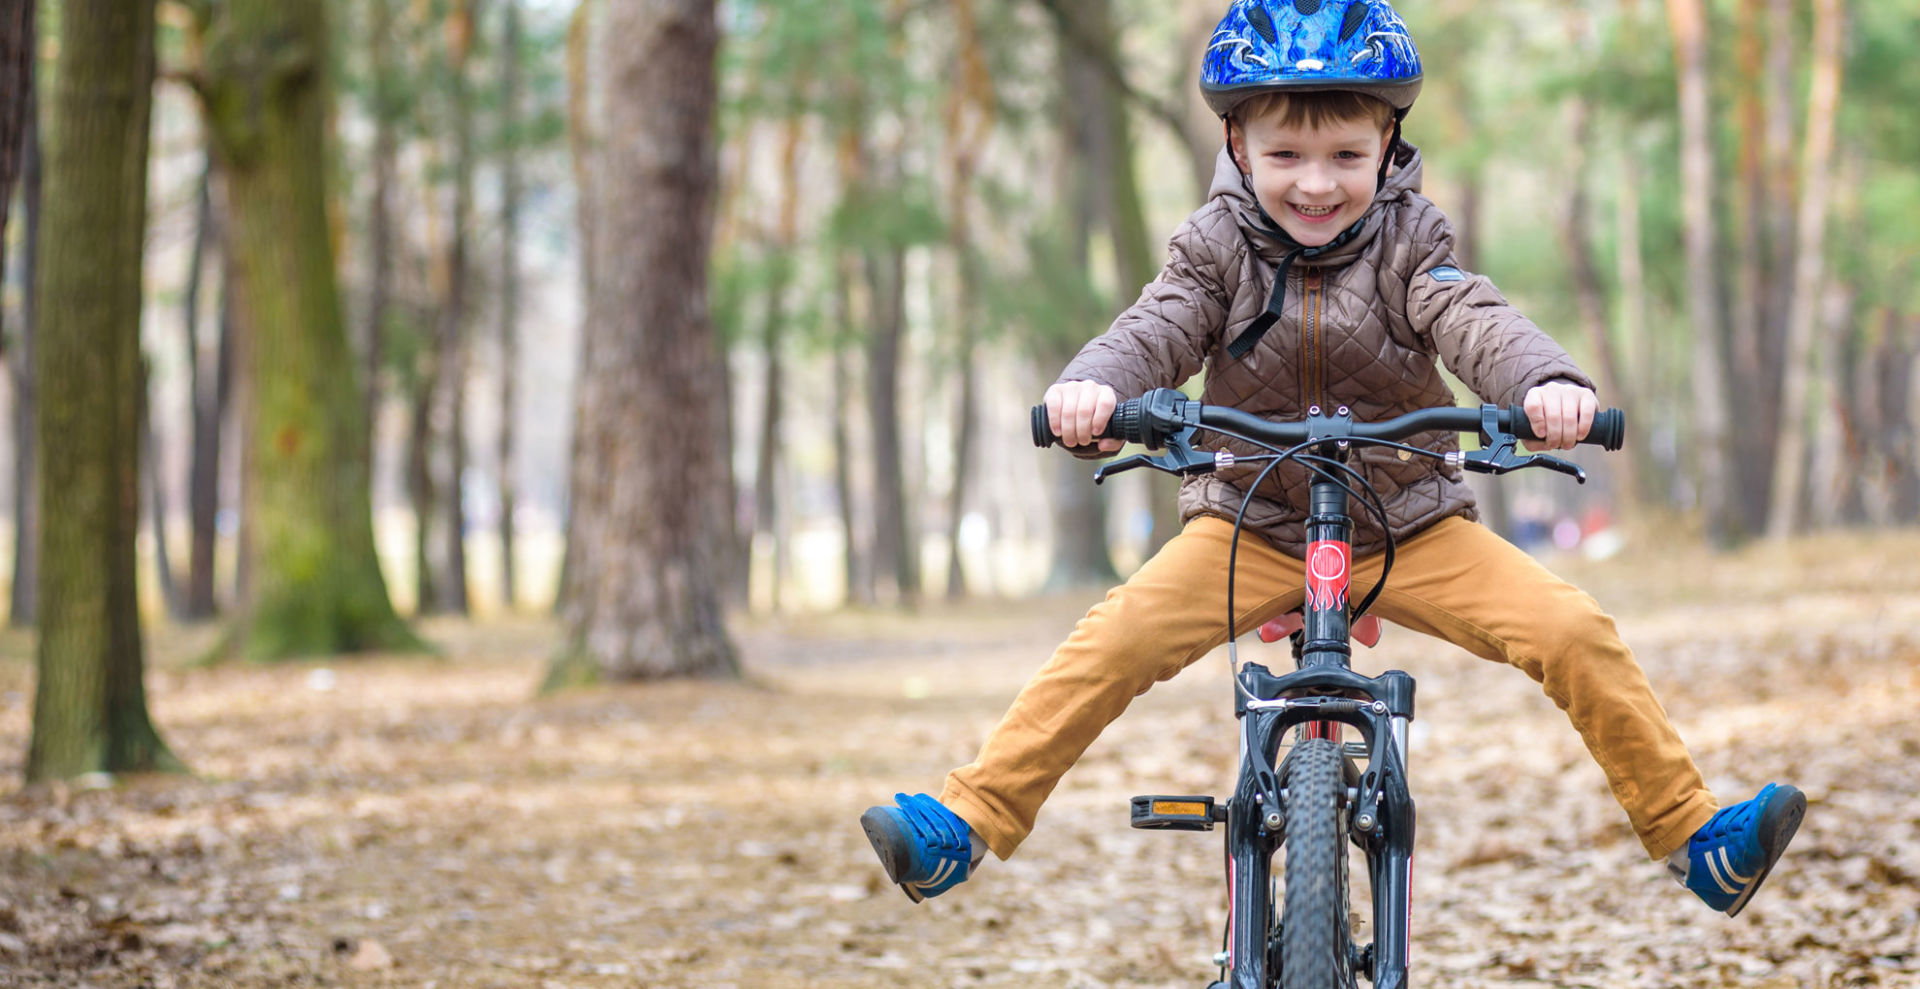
(1157, 813)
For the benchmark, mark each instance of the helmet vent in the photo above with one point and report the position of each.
(1258, 17)
(1356, 15)
(1306, 8)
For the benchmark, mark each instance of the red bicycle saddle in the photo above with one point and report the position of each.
(1366, 631)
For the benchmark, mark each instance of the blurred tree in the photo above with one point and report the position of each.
(773, 336)
(651, 490)
(388, 106)
(172, 595)
(90, 708)
(969, 118)
(1687, 20)
(315, 584)
(1786, 507)
(1583, 267)
(17, 24)
(509, 340)
(453, 346)
(207, 391)
(16, 102)
(1095, 180)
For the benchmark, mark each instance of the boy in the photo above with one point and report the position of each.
(1316, 274)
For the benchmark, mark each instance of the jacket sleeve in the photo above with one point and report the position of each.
(1163, 338)
(1463, 318)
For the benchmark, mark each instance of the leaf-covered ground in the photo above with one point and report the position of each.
(410, 822)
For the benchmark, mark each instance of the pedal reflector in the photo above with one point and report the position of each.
(1173, 813)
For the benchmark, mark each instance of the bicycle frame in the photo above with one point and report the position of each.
(1322, 694)
(1375, 810)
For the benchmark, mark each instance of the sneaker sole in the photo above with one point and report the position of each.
(889, 846)
(1777, 826)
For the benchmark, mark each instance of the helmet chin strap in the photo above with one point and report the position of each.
(1243, 344)
(1277, 296)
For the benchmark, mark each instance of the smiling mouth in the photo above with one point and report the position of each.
(1314, 211)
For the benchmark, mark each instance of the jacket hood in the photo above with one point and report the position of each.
(1236, 190)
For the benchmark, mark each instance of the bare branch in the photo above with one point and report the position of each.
(1076, 33)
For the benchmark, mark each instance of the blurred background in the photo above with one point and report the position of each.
(923, 209)
(688, 346)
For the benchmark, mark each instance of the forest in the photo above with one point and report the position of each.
(427, 419)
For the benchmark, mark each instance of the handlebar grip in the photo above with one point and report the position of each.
(1609, 429)
(1124, 424)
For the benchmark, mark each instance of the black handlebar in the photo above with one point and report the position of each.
(1156, 415)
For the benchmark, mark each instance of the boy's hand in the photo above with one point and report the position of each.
(1561, 412)
(1079, 410)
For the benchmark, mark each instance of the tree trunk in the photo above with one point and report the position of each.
(380, 262)
(316, 581)
(203, 411)
(25, 594)
(90, 708)
(767, 459)
(1489, 494)
(970, 117)
(1750, 283)
(582, 141)
(172, 595)
(1086, 179)
(767, 456)
(1900, 408)
(858, 574)
(454, 348)
(895, 543)
(1787, 493)
(653, 493)
(1632, 317)
(1835, 459)
(1576, 237)
(17, 40)
(1687, 19)
(420, 490)
(509, 290)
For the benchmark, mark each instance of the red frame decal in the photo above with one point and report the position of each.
(1329, 570)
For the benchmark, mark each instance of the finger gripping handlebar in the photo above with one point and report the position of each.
(1609, 429)
(1147, 419)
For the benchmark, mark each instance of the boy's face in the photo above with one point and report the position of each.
(1315, 181)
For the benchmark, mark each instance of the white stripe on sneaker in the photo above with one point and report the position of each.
(1727, 866)
(1713, 869)
(939, 875)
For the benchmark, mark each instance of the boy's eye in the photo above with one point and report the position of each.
(1282, 154)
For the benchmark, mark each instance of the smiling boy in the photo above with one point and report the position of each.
(1316, 275)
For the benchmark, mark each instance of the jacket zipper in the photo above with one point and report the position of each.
(1314, 367)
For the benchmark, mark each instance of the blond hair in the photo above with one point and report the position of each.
(1315, 109)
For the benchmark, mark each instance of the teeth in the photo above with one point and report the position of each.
(1315, 210)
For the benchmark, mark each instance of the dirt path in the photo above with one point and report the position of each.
(396, 822)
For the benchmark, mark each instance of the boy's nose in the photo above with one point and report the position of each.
(1316, 181)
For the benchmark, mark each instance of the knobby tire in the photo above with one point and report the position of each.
(1314, 920)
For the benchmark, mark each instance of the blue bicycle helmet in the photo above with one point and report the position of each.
(1307, 45)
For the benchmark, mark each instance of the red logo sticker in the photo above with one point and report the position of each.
(1327, 574)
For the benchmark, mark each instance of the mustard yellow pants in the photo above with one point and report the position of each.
(1457, 580)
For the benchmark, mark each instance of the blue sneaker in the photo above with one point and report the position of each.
(1730, 857)
(925, 847)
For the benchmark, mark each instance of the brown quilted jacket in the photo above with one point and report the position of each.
(1366, 326)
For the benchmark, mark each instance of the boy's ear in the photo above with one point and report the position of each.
(1237, 144)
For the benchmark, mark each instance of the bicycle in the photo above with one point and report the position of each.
(1325, 793)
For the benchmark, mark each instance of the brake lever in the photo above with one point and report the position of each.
(1497, 454)
(1180, 458)
(1498, 457)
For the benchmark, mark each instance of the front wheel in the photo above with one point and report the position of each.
(1314, 933)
